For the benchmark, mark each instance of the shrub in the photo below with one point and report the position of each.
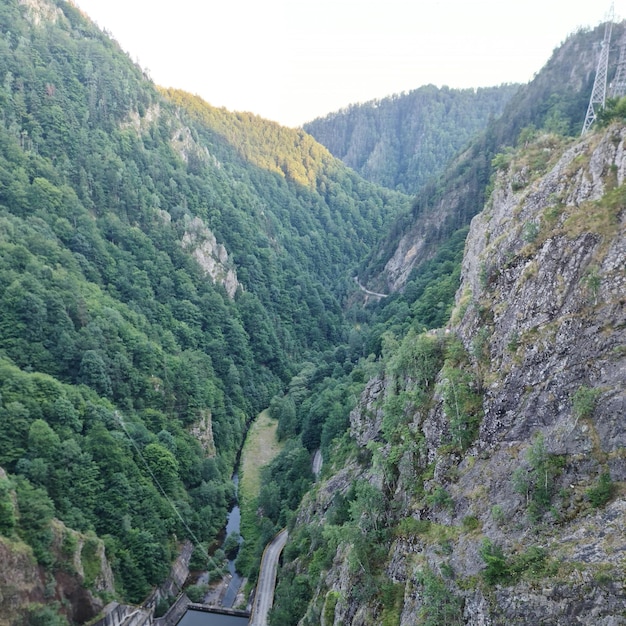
(196, 593)
(602, 492)
(440, 605)
(440, 497)
(470, 522)
(584, 402)
(497, 569)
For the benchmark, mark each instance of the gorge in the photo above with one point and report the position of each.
(169, 270)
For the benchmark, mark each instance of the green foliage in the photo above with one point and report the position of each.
(7, 508)
(440, 498)
(470, 523)
(440, 607)
(39, 615)
(537, 481)
(196, 593)
(231, 545)
(35, 513)
(409, 526)
(105, 316)
(532, 564)
(584, 402)
(497, 570)
(392, 600)
(614, 109)
(293, 593)
(462, 404)
(404, 140)
(601, 493)
(90, 560)
(530, 231)
(592, 282)
(330, 602)
(497, 514)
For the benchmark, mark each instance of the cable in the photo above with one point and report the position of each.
(171, 503)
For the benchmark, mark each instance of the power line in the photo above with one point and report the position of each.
(196, 541)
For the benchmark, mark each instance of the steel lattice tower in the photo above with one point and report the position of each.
(598, 94)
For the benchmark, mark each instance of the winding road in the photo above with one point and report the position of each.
(264, 596)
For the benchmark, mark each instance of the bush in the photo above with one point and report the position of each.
(584, 402)
(470, 522)
(497, 570)
(196, 593)
(602, 492)
(440, 497)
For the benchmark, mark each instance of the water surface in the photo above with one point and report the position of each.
(200, 618)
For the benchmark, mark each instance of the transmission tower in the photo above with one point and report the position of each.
(598, 94)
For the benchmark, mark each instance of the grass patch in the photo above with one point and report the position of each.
(260, 448)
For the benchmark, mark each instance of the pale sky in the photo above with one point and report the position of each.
(293, 60)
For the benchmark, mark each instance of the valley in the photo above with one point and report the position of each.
(441, 328)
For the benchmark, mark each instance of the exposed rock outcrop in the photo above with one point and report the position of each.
(212, 256)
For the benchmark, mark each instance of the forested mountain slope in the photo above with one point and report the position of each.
(555, 100)
(160, 278)
(485, 480)
(404, 140)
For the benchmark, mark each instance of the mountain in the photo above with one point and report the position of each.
(555, 100)
(483, 478)
(165, 268)
(404, 140)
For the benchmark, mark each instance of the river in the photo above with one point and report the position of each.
(199, 618)
(232, 526)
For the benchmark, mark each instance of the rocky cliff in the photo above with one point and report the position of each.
(488, 483)
(76, 586)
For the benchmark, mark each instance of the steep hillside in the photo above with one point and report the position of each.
(555, 100)
(404, 140)
(487, 482)
(160, 282)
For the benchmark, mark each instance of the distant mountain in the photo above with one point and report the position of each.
(555, 100)
(404, 140)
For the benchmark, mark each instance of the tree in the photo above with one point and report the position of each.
(163, 465)
(93, 373)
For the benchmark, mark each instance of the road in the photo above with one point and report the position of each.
(368, 292)
(264, 596)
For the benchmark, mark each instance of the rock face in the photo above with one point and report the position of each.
(523, 521)
(23, 583)
(212, 256)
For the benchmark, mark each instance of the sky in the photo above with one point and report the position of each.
(294, 60)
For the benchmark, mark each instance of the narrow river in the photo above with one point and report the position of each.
(232, 526)
(198, 618)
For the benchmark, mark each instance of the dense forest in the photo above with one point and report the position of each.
(403, 140)
(130, 371)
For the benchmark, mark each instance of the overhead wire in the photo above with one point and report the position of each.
(193, 536)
